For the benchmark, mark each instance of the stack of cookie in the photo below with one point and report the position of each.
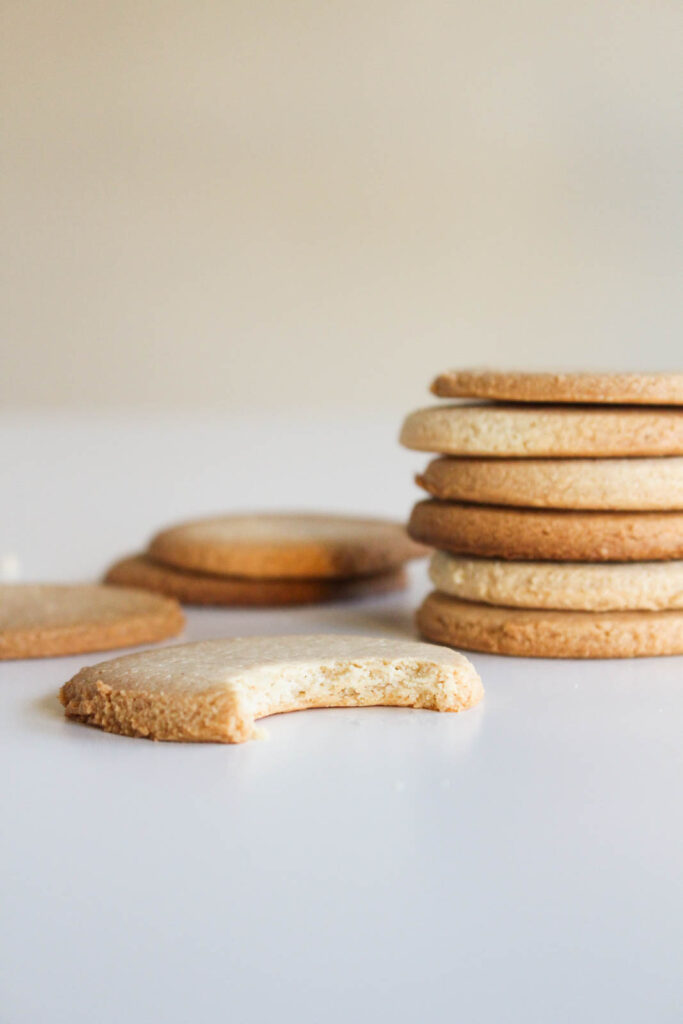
(557, 511)
(266, 560)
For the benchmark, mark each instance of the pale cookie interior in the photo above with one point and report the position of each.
(216, 689)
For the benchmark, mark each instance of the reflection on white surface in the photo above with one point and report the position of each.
(10, 567)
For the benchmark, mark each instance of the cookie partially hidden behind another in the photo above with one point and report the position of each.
(213, 691)
(279, 546)
(38, 620)
(241, 591)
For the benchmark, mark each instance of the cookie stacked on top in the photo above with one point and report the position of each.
(556, 508)
(272, 559)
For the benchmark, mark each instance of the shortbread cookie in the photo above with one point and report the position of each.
(492, 531)
(617, 484)
(540, 430)
(202, 588)
(38, 620)
(286, 545)
(576, 586)
(549, 634)
(214, 690)
(612, 388)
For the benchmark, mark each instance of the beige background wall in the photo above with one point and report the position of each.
(290, 204)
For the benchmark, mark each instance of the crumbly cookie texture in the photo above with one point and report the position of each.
(531, 633)
(39, 620)
(542, 430)
(547, 535)
(576, 586)
(286, 545)
(214, 690)
(203, 588)
(598, 484)
(626, 388)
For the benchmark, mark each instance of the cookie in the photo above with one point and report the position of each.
(617, 484)
(285, 546)
(202, 588)
(549, 634)
(608, 388)
(576, 586)
(494, 531)
(38, 620)
(541, 430)
(214, 690)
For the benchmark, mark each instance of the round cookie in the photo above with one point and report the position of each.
(197, 588)
(213, 691)
(608, 388)
(39, 620)
(615, 484)
(282, 546)
(492, 531)
(549, 634)
(541, 430)
(574, 586)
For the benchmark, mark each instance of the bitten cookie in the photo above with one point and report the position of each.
(619, 388)
(542, 430)
(549, 634)
(38, 620)
(614, 484)
(577, 586)
(215, 690)
(202, 588)
(547, 535)
(286, 545)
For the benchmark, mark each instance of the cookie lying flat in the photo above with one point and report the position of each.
(577, 586)
(492, 531)
(540, 430)
(38, 620)
(614, 484)
(199, 588)
(549, 634)
(619, 388)
(215, 690)
(286, 545)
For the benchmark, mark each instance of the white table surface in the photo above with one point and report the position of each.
(520, 862)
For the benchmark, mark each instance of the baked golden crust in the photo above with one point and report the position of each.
(642, 485)
(39, 620)
(215, 690)
(549, 634)
(285, 546)
(555, 535)
(610, 388)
